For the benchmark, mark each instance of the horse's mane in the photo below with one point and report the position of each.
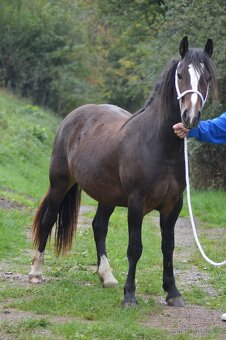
(165, 86)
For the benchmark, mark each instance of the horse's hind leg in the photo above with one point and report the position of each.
(167, 223)
(100, 229)
(45, 218)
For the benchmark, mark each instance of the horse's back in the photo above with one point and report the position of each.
(91, 116)
(114, 110)
(103, 112)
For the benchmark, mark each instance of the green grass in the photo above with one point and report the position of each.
(209, 207)
(26, 136)
(72, 303)
(12, 235)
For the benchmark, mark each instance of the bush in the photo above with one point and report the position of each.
(207, 166)
(43, 52)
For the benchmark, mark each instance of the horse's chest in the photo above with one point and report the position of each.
(165, 192)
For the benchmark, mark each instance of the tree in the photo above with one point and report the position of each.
(122, 41)
(43, 52)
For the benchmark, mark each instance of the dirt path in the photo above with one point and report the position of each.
(193, 319)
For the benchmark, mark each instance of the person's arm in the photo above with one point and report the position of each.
(210, 131)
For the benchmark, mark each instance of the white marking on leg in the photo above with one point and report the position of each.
(105, 273)
(35, 275)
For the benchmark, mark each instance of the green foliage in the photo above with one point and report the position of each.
(124, 41)
(43, 53)
(207, 165)
(65, 53)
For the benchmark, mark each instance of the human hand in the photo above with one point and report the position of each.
(180, 130)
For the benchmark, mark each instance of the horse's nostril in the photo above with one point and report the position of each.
(198, 115)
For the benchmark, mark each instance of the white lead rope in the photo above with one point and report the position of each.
(217, 264)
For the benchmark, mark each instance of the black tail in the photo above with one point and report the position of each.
(36, 227)
(67, 220)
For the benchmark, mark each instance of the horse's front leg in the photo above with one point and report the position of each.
(134, 251)
(167, 223)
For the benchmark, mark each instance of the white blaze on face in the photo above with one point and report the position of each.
(194, 77)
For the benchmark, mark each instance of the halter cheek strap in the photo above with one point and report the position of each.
(181, 95)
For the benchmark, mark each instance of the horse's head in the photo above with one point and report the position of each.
(192, 78)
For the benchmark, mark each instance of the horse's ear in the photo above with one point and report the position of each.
(183, 47)
(209, 48)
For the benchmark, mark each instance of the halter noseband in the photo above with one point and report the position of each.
(181, 95)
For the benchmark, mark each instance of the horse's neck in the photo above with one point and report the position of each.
(158, 125)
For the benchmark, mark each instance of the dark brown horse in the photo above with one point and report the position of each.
(133, 161)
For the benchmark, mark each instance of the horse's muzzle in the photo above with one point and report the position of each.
(189, 119)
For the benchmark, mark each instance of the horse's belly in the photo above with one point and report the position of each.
(102, 186)
(99, 178)
(108, 198)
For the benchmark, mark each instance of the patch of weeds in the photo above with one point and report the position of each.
(24, 327)
(3, 122)
(39, 132)
(18, 198)
(14, 294)
(13, 237)
(195, 295)
(111, 330)
(216, 333)
(89, 316)
(32, 110)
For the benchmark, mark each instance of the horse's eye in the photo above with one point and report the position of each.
(179, 75)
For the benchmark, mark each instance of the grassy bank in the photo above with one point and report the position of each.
(26, 136)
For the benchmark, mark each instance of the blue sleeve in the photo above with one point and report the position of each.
(211, 130)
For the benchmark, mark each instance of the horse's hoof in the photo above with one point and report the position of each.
(110, 283)
(35, 279)
(176, 301)
(130, 303)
